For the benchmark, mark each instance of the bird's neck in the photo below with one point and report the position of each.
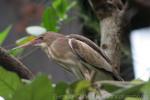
(52, 37)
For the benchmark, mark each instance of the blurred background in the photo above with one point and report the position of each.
(80, 20)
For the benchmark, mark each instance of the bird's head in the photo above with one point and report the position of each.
(43, 41)
(38, 41)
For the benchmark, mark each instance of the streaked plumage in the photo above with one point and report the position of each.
(76, 54)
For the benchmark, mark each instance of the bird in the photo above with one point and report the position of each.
(76, 54)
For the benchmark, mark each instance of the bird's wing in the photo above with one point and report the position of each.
(91, 44)
(88, 52)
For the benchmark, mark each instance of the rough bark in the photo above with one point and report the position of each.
(111, 14)
(110, 39)
(11, 63)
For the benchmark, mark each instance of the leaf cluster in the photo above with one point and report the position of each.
(56, 13)
(42, 88)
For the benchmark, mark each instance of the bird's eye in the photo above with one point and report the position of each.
(41, 38)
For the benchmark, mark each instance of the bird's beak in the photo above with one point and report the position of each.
(35, 42)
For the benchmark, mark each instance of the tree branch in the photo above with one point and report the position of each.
(11, 63)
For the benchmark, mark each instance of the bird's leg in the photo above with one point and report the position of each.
(92, 74)
(89, 75)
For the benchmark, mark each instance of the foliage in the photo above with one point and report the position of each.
(33, 91)
(4, 34)
(24, 40)
(42, 88)
(55, 14)
(9, 82)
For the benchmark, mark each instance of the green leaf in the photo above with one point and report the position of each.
(110, 87)
(61, 89)
(126, 92)
(9, 83)
(62, 7)
(54, 15)
(24, 40)
(137, 81)
(132, 98)
(16, 52)
(71, 5)
(69, 97)
(146, 91)
(82, 86)
(50, 20)
(40, 89)
(4, 34)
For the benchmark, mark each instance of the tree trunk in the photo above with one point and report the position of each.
(111, 14)
(110, 39)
